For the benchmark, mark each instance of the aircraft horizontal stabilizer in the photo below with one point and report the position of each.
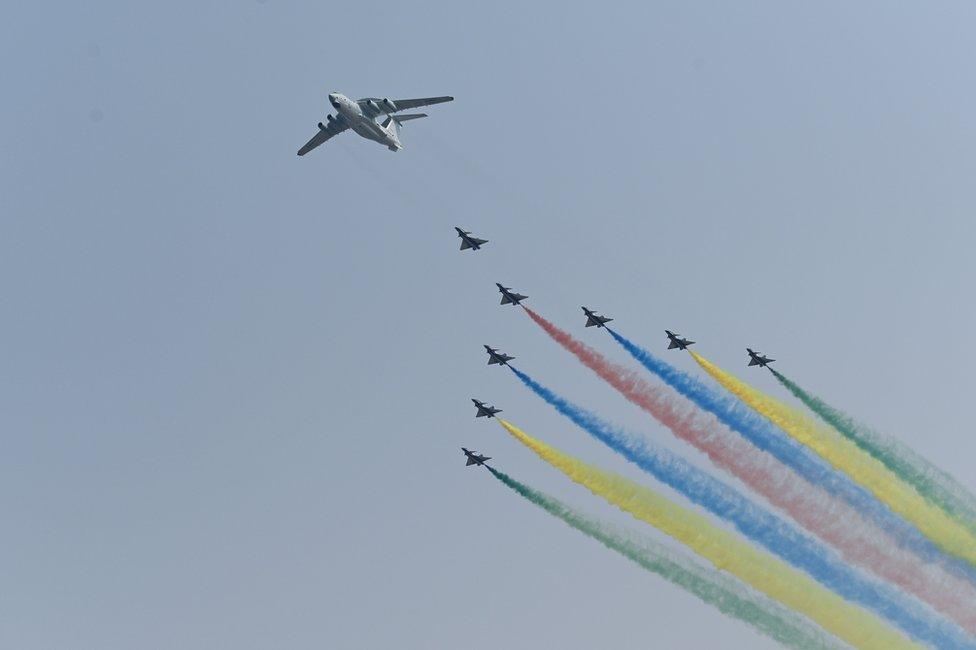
(409, 116)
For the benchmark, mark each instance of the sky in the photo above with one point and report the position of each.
(234, 382)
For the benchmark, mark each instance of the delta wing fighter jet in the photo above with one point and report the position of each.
(474, 458)
(593, 320)
(509, 297)
(677, 341)
(360, 115)
(485, 411)
(494, 356)
(756, 359)
(467, 241)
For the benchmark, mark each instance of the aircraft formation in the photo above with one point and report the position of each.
(882, 528)
(593, 319)
(848, 516)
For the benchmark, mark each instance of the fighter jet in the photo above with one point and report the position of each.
(467, 241)
(509, 298)
(592, 319)
(474, 458)
(677, 341)
(756, 359)
(361, 115)
(494, 356)
(485, 411)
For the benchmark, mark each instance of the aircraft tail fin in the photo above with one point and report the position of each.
(392, 127)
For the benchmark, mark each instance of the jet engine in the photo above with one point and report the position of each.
(390, 106)
(373, 105)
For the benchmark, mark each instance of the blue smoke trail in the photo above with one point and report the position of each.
(766, 436)
(762, 526)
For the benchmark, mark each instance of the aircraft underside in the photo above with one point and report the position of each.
(373, 131)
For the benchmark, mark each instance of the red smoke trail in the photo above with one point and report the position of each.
(859, 540)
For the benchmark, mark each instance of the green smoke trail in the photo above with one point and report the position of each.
(723, 592)
(931, 482)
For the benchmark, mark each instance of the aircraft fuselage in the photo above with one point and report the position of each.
(364, 125)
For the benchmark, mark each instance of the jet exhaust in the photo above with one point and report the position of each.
(759, 525)
(946, 532)
(724, 550)
(931, 482)
(861, 541)
(766, 436)
(723, 592)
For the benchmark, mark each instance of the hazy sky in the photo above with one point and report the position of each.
(234, 381)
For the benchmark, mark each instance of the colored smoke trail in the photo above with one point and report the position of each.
(760, 526)
(860, 541)
(931, 482)
(843, 454)
(724, 593)
(767, 437)
(725, 551)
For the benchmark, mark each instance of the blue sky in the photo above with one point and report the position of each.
(235, 381)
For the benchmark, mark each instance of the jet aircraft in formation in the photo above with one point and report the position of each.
(467, 241)
(592, 319)
(756, 359)
(474, 458)
(677, 342)
(360, 115)
(494, 356)
(485, 411)
(508, 296)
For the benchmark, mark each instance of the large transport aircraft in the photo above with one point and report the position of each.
(360, 115)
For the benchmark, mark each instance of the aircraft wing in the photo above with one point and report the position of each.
(333, 128)
(512, 298)
(471, 461)
(405, 104)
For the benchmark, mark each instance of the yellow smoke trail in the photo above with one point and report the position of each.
(947, 533)
(726, 551)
